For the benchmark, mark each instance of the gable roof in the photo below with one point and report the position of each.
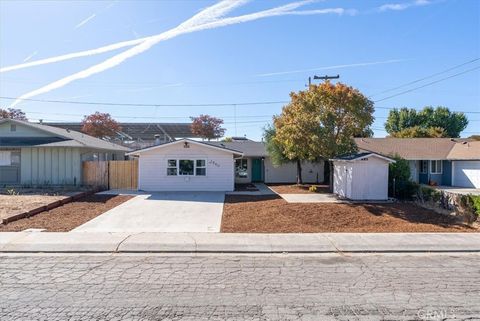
(191, 141)
(465, 150)
(410, 148)
(357, 156)
(70, 138)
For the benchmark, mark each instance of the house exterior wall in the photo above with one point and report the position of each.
(153, 169)
(21, 131)
(447, 173)
(50, 166)
(287, 173)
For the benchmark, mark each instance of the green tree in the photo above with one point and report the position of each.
(429, 122)
(319, 123)
(274, 149)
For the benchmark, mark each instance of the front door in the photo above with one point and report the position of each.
(257, 170)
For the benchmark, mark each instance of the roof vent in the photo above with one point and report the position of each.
(68, 130)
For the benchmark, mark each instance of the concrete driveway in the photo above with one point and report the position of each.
(162, 212)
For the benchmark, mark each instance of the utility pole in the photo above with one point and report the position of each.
(322, 78)
(326, 77)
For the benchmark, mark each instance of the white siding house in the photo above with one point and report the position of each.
(361, 177)
(186, 165)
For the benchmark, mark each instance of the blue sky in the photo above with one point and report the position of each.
(388, 43)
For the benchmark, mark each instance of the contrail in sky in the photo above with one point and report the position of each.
(362, 64)
(192, 25)
(30, 56)
(220, 9)
(86, 20)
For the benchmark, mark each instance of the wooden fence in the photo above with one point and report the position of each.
(111, 174)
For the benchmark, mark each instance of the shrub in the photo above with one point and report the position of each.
(405, 190)
(476, 203)
(399, 184)
(427, 194)
(312, 189)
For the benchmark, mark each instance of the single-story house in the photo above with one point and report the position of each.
(361, 176)
(37, 154)
(189, 165)
(442, 161)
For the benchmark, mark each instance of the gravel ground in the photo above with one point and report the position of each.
(297, 189)
(271, 214)
(68, 216)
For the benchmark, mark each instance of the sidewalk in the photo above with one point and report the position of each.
(238, 243)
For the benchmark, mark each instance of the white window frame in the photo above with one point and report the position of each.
(177, 166)
(242, 160)
(436, 167)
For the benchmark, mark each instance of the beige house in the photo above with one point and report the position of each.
(36, 154)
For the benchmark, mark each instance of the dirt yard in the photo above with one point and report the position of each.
(297, 189)
(11, 204)
(68, 216)
(271, 214)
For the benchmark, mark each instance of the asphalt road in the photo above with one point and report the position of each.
(228, 287)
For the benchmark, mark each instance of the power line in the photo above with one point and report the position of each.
(428, 84)
(426, 77)
(148, 105)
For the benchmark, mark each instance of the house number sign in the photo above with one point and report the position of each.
(214, 163)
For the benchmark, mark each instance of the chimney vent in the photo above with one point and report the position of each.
(157, 139)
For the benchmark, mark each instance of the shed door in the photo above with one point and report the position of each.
(466, 174)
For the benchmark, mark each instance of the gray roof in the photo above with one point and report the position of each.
(64, 138)
(142, 131)
(353, 156)
(249, 148)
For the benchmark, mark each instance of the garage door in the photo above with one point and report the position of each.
(466, 174)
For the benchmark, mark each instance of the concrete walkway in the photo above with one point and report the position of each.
(162, 212)
(262, 190)
(239, 243)
(310, 198)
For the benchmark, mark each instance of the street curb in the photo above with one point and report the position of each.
(86, 242)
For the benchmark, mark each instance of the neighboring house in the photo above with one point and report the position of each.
(361, 176)
(142, 135)
(36, 154)
(442, 161)
(189, 165)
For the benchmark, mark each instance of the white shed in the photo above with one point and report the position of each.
(362, 176)
(186, 165)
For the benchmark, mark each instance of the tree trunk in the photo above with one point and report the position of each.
(299, 172)
(330, 180)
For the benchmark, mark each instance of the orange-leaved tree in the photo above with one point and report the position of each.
(320, 123)
(207, 127)
(100, 125)
(13, 113)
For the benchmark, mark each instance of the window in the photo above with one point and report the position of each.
(436, 167)
(5, 158)
(424, 167)
(201, 167)
(241, 168)
(13, 127)
(172, 167)
(186, 167)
